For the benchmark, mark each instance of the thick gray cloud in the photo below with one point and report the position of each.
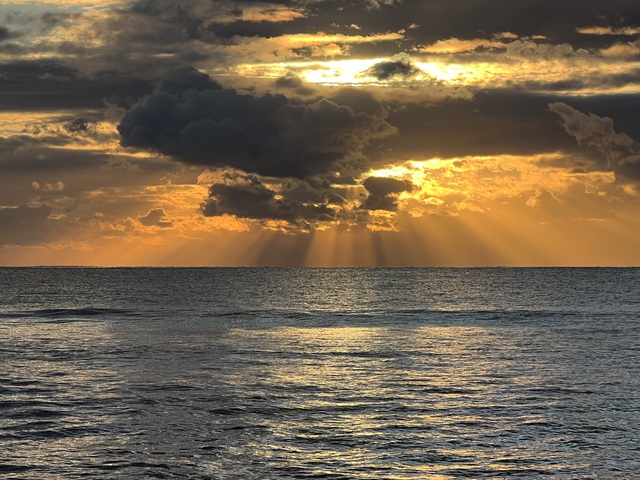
(268, 135)
(383, 192)
(247, 197)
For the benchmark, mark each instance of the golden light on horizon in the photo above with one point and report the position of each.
(124, 122)
(354, 238)
(433, 71)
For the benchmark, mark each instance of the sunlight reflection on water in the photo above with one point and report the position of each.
(284, 393)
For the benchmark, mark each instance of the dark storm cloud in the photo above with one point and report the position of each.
(23, 225)
(247, 197)
(268, 135)
(383, 193)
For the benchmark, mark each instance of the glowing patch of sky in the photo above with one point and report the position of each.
(501, 72)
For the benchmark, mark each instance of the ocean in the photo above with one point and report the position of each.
(267, 373)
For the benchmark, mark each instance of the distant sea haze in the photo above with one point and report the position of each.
(265, 373)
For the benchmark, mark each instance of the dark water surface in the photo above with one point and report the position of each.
(319, 373)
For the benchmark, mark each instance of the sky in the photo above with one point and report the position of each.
(320, 133)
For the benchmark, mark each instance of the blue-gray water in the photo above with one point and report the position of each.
(319, 373)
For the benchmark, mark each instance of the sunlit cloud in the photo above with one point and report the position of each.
(316, 133)
(456, 45)
(608, 30)
(622, 50)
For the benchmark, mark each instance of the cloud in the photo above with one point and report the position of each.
(494, 122)
(32, 85)
(177, 81)
(542, 51)
(593, 131)
(81, 124)
(457, 45)
(268, 135)
(231, 12)
(204, 13)
(294, 84)
(6, 34)
(628, 169)
(569, 204)
(383, 192)
(400, 66)
(48, 187)
(609, 30)
(513, 46)
(245, 196)
(298, 157)
(470, 20)
(622, 50)
(622, 153)
(156, 217)
(276, 48)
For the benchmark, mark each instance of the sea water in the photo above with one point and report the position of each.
(157, 373)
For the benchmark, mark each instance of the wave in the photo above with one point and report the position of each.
(61, 313)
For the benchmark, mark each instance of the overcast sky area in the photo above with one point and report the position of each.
(319, 133)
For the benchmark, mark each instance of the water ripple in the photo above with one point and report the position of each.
(410, 374)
